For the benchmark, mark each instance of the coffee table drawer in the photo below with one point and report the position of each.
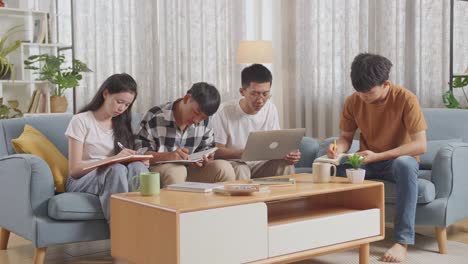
(322, 228)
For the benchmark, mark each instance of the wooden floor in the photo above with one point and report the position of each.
(20, 251)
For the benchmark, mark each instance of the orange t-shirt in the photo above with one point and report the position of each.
(387, 125)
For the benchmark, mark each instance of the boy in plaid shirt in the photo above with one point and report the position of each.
(177, 129)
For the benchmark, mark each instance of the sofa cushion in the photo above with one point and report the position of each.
(432, 148)
(75, 206)
(426, 191)
(31, 141)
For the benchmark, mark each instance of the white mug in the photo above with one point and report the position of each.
(321, 172)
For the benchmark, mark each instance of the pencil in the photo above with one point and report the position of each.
(334, 146)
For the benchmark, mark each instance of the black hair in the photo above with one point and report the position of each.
(255, 73)
(207, 97)
(369, 70)
(121, 124)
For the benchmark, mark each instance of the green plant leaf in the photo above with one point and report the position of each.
(355, 161)
(51, 69)
(450, 101)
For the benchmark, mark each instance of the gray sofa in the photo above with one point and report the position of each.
(443, 175)
(28, 202)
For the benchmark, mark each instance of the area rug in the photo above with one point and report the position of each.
(424, 252)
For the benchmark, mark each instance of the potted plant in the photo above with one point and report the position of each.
(7, 70)
(356, 174)
(458, 82)
(9, 111)
(62, 78)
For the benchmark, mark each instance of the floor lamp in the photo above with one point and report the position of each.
(258, 51)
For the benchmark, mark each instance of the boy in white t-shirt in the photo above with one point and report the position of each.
(253, 112)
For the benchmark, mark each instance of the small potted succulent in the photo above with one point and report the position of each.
(356, 174)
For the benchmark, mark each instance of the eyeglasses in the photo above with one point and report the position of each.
(264, 96)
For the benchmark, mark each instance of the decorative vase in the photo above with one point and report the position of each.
(355, 175)
(58, 104)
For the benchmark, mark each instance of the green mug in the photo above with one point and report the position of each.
(149, 183)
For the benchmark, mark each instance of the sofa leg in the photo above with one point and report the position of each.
(39, 255)
(441, 235)
(4, 236)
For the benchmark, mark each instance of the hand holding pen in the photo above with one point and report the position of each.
(181, 152)
(125, 151)
(332, 151)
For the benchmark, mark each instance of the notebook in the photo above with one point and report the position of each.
(200, 187)
(337, 161)
(127, 159)
(194, 157)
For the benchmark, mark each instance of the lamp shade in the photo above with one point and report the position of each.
(255, 52)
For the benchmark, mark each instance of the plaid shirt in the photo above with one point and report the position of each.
(159, 132)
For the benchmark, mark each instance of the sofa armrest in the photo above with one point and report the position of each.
(26, 184)
(309, 148)
(450, 170)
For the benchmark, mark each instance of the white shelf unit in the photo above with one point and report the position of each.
(35, 23)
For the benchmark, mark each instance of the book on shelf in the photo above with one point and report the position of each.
(126, 159)
(40, 30)
(38, 101)
(336, 161)
(194, 157)
(35, 101)
(31, 102)
(200, 187)
(274, 181)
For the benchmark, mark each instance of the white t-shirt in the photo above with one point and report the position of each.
(232, 125)
(98, 141)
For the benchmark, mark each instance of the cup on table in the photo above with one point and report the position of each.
(149, 183)
(321, 172)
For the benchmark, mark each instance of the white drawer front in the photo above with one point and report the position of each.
(234, 234)
(324, 231)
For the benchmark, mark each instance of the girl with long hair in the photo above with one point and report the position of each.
(97, 133)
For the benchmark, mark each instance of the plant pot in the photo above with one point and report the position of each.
(58, 104)
(355, 175)
(5, 74)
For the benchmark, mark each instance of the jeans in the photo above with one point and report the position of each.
(106, 180)
(404, 172)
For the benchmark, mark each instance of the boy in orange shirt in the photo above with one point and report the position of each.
(393, 134)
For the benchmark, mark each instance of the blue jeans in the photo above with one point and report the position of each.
(404, 172)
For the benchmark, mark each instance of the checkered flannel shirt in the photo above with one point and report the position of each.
(159, 132)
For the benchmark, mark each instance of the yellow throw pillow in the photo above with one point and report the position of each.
(31, 141)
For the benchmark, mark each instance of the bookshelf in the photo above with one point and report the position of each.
(39, 35)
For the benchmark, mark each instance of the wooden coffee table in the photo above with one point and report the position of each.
(282, 225)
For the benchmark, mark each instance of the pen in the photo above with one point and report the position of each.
(120, 145)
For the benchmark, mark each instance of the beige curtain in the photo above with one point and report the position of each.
(320, 39)
(165, 45)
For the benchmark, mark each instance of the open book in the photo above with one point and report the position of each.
(194, 157)
(337, 161)
(127, 159)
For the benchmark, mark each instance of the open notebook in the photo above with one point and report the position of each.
(127, 159)
(194, 157)
(337, 161)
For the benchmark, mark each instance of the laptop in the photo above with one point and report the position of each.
(271, 145)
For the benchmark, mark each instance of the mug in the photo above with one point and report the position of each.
(149, 183)
(321, 172)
